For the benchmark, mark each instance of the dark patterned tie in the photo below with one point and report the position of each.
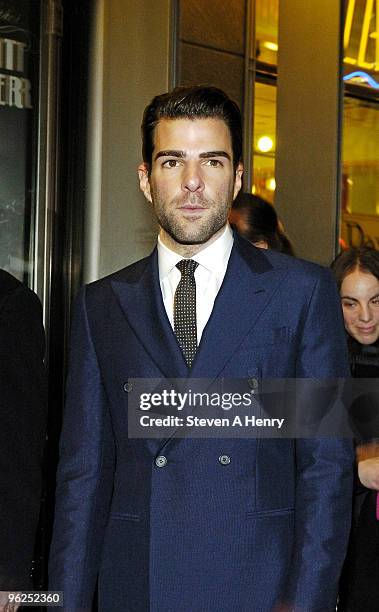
(185, 309)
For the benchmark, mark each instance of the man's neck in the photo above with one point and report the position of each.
(187, 250)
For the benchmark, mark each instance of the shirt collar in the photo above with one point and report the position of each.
(214, 257)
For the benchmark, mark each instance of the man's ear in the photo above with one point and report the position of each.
(238, 180)
(144, 182)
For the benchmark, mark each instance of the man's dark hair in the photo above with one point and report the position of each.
(365, 259)
(194, 102)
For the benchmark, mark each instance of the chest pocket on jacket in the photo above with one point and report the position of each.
(269, 337)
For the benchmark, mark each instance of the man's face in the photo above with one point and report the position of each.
(192, 182)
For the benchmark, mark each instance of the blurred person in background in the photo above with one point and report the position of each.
(23, 413)
(257, 221)
(357, 274)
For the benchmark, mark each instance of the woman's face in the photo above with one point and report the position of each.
(360, 304)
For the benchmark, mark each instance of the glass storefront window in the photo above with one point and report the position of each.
(361, 157)
(361, 43)
(266, 30)
(360, 38)
(212, 50)
(19, 61)
(264, 141)
(360, 188)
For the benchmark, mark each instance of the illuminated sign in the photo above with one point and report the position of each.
(15, 90)
(359, 230)
(366, 24)
(362, 76)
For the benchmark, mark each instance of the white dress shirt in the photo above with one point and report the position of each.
(209, 274)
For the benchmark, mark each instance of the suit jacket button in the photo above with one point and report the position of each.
(224, 459)
(128, 386)
(161, 461)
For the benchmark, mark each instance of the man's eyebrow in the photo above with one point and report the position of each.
(170, 153)
(214, 154)
(182, 155)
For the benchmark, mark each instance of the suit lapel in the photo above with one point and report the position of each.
(249, 284)
(141, 300)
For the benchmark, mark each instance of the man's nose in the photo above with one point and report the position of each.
(192, 177)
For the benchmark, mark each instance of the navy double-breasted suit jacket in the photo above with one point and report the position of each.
(194, 535)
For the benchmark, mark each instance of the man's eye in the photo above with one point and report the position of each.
(348, 304)
(214, 163)
(375, 302)
(170, 163)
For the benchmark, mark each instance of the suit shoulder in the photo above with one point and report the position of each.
(8, 283)
(129, 274)
(298, 266)
(13, 291)
(265, 260)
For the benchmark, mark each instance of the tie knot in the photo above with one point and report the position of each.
(187, 267)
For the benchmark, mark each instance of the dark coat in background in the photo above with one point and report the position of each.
(23, 408)
(359, 586)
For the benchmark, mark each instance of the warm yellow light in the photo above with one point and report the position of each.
(271, 184)
(265, 144)
(271, 46)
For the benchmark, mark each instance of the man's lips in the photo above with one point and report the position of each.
(189, 208)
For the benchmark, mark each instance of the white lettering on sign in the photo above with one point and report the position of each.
(15, 90)
(368, 27)
(12, 55)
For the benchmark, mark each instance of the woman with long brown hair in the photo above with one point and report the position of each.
(357, 274)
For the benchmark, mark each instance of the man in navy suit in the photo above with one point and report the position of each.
(199, 525)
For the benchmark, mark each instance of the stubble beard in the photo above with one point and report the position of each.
(192, 231)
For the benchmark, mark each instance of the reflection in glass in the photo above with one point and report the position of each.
(361, 43)
(19, 58)
(361, 156)
(264, 141)
(266, 34)
(360, 188)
